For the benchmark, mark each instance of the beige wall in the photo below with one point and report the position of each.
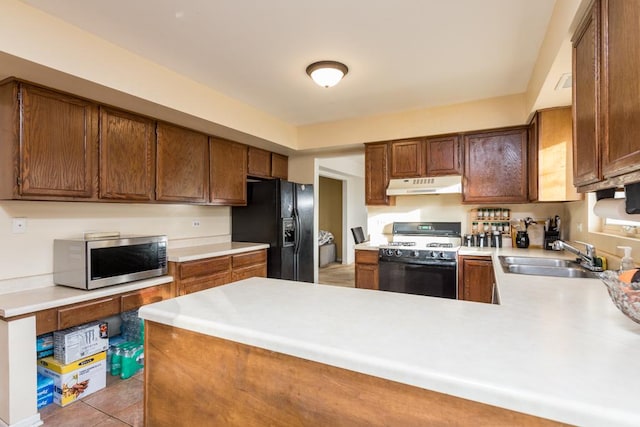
(31, 253)
(330, 210)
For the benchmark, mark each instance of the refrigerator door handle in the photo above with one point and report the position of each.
(296, 218)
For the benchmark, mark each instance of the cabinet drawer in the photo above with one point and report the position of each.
(204, 267)
(366, 257)
(87, 312)
(249, 259)
(133, 300)
(245, 273)
(192, 286)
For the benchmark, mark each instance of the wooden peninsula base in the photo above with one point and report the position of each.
(196, 379)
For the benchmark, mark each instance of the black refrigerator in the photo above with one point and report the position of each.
(279, 213)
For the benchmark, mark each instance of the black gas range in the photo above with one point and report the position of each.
(421, 259)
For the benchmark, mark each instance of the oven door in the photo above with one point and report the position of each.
(438, 279)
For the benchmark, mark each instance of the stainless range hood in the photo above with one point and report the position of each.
(431, 185)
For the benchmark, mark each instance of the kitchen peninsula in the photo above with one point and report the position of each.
(264, 351)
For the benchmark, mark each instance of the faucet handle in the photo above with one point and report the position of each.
(591, 250)
(557, 245)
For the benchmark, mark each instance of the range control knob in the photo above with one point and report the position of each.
(433, 254)
(443, 255)
(389, 252)
(398, 252)
(416, 254)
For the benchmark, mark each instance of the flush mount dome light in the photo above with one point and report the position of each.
(327, 73)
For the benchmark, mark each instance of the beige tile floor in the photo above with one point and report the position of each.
(120, 404)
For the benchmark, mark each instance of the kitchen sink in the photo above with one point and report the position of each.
(545, 267)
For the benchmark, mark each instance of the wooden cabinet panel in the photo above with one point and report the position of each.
(551, 156)
(182, 165)
(406, 158)
(127, 156)
(247, 259)
(228, 177)
(376, 174)
(200, 284)
(136, 299)
(204, 267)
(259, 163)
(475, 279)
(87, 312)
(279, 166)
(620, 86)
(57, 146)
(247, 272)
(495, 167)
(586, 141)
(367, 269)
(46, 321)
(442, 156)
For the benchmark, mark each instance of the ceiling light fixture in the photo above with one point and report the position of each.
(327, 73)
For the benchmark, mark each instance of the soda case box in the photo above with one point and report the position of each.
(45, 391)
(44, 345)
(75, 380)
(80, 341)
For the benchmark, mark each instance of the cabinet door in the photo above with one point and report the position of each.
(182, 165)
(367, 269)
(376, 174)
(406, 158)
(475, 280)
(620, 87)
(127, 156)
(586, 142)
(259, 163)
(442, 156)
(279, 166)
(58, 144)
(533, 158)
(495, 167)
(228, 172)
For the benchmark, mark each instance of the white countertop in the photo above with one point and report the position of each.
(556, 348)
(23, 302)
(207, 251)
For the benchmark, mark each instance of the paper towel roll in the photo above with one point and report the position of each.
(613, 208)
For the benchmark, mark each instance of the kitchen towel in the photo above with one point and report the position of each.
(613, 208)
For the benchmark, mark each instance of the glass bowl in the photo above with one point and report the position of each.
(625, 296)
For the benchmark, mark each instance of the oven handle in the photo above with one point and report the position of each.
(421, 262)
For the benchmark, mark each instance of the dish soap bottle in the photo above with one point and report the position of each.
(626, 263)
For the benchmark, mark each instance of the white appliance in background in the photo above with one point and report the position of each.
(430, 185)
(421, 259)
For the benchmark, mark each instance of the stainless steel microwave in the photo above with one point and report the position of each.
(100, 262)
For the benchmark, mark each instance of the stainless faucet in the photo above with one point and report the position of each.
(587, 258)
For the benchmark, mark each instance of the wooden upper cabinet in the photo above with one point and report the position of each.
(495, 166)
(586, 58)
(127, 156)
(279, 166)
(182, 165)
(619, 85)
(376, 174)
(551, 156)
(228, 172)
(49, 144)
(442, 155)
(259, 162)
(406, 158)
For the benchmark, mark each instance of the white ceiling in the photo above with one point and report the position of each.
(402, 54)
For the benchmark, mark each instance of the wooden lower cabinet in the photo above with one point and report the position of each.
(198, 275)
(367, 269)
(475, 279)
(70, 315)
(216, 382)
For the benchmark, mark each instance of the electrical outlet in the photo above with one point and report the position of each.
(195, 223)
(579, 227)
(19, 225)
